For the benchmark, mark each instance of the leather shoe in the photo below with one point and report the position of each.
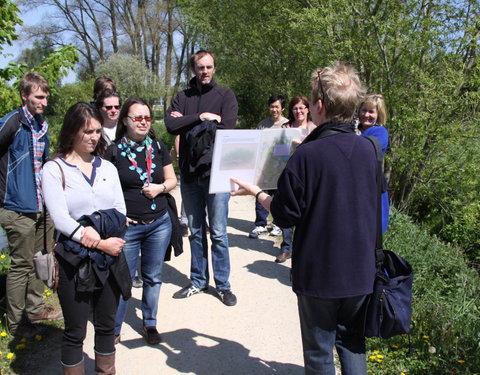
(48, 313)
(282, 257)
(151, 335)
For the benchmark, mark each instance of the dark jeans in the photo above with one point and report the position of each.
(76, 308)
(261, 214)
(326, 323)
(287, 234)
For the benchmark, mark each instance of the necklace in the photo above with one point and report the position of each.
(127, 147)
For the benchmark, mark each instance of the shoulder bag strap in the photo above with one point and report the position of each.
(379, 257)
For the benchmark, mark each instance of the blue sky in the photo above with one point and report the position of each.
(29, 19)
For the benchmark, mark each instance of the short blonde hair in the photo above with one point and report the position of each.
(377, 101)
(340, 89)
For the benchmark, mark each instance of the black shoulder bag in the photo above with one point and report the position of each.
(388, 310)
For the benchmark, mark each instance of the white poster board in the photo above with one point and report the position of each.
(255, 156)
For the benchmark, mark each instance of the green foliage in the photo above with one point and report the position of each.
(131, 77)
(445, 325)
(422, 56)
(8, 20)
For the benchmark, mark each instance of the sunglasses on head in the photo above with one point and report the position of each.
(109, 107)
(140, 118)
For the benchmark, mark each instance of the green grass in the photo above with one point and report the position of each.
(445, 331)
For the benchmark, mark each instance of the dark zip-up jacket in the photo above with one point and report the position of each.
(17, 176)
(191, 103)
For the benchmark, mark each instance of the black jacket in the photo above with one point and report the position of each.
(191, 103)
(93, 266)
(328, 192)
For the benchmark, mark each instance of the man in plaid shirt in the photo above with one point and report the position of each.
(24, 145)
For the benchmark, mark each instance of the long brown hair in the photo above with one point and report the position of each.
(77, 116)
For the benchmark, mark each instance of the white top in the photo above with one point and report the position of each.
(269, 124)
(109, 134)
(80, 197)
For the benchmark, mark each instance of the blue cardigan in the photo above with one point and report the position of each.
(382, 134)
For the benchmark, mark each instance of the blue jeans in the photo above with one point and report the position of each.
(195, 198)
(286, 246)
(261, 214)
(326, 323)
(152, 240)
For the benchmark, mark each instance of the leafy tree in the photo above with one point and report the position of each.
(422, 55)
(131, 77)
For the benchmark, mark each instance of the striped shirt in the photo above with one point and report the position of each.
(39, 129)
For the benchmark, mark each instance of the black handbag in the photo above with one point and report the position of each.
(388, 310)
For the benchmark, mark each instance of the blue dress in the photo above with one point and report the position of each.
(382, 135)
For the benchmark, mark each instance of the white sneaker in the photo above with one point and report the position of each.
(276, 231)
(258, 231)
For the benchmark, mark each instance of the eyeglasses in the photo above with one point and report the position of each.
(109, 107)
(140, 118)
(299, 109)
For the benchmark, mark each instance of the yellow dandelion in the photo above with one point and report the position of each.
(20, 346)
(10, 355)
(426, 337)
(45, 291)
(38, 337)
(372, 358)
(403, 373)
(23, 339)
(394, 346)
(44, 296)
(461, 361)
(3, 256)
(49, 294)
(379, 360)
(3, 334)
(376, 352)
(380, 356)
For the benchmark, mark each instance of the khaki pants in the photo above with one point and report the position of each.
(25, 237)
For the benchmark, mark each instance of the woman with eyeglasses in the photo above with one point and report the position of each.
(146, 175)
(372, 116)
(299, 113)
(108, 103)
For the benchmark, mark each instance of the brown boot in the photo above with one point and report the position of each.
(78, 369)
(105, 363)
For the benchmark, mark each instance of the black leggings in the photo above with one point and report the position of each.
(76, 308)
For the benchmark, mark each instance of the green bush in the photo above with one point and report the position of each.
(445, 331)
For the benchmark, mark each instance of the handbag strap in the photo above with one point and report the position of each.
(379, 257)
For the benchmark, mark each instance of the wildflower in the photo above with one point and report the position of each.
(2, 256)
(44, 296)
(23, 339)
(371, 358)
(403, 373)
(38, 337)
(425, 337)
(380, 356)
(49, 294)
(376, 352)
(379, 360)
(45, 291)
(432, 350)
(3, 334)
(461, 361)
(394, 346)
(20, 346)
(10, 355)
